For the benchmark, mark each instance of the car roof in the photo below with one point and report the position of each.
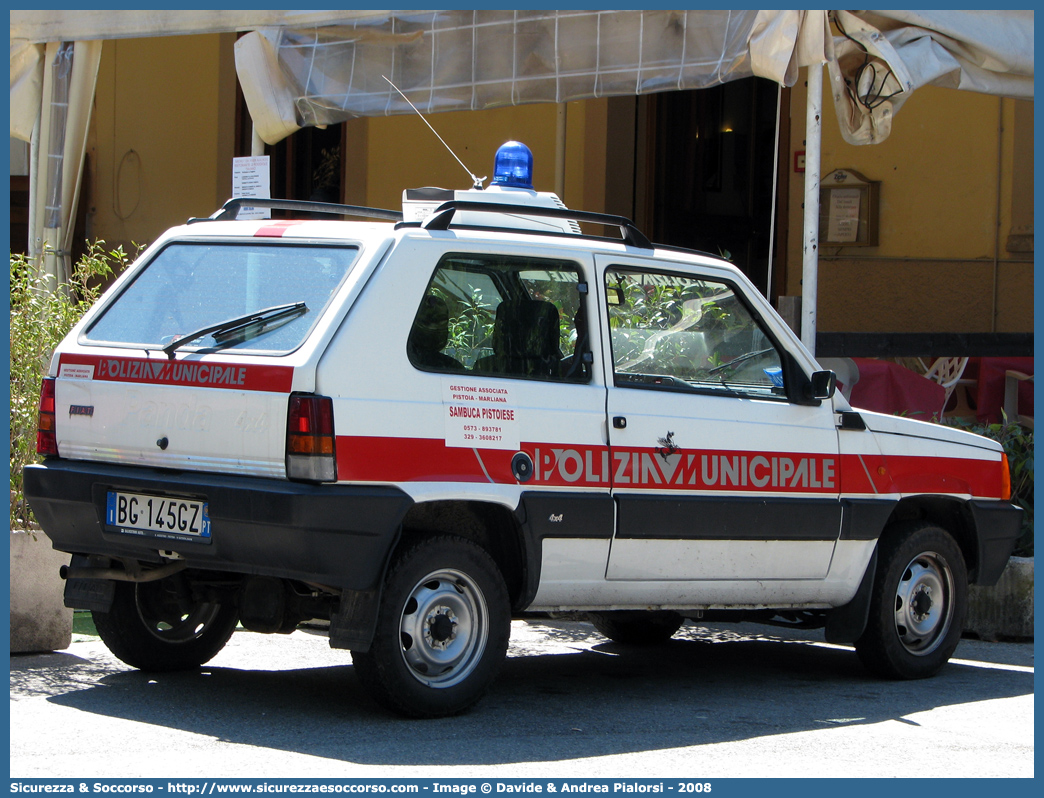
(383, 224)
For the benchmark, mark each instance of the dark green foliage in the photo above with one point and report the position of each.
(41, 315)
(1018, 445)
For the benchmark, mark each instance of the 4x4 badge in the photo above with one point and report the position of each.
(667, 446)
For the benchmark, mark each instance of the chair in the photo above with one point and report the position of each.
(846, 370)
(947, 372)
(1012, 379)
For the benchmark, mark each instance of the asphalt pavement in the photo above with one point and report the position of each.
(717, 701)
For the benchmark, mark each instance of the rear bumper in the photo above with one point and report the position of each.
(337, 535)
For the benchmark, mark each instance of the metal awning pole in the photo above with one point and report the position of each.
(810, 241)
(35, 244)
(257, 144)
(560, 152)
(775, 196)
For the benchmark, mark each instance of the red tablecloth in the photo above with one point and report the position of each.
(989, 394)
(887, 387)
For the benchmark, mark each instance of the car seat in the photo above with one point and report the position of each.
(525, 340)
(429, 336)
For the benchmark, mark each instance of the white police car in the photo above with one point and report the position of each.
(418, 430)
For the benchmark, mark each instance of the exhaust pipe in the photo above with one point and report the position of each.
(151, 575)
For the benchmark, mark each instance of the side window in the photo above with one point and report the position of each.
(677, 331)
(506, 316)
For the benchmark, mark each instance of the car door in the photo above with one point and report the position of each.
(718, 475)
(488, 392)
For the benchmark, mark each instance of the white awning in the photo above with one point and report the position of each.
(471, 60)
(69, 25)
(476, 60)
(883, 56)
(27, 68)
(300, 68)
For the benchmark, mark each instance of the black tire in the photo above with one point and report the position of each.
(637, 628)
(442, 629)
(918, 604)
(156, 626)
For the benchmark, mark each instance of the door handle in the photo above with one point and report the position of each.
(619, 422)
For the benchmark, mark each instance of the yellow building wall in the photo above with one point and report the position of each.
(401, 152)
(941, 264)
(160, 149)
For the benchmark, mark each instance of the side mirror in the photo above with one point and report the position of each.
(824, 384)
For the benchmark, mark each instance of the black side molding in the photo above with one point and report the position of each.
(550, 514)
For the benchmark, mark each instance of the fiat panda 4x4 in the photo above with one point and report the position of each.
(416, 430)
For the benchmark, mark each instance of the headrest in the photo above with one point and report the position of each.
(431, 328)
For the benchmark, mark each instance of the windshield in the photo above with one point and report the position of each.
(190, 287)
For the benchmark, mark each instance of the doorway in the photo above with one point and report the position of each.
(710, 156)
(306, 165)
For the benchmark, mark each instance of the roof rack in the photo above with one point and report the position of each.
(442, 216)
(689, 251)
(230, 210)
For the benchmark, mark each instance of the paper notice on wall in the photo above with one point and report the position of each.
(480, 415)
(843, 218)
(251, 178)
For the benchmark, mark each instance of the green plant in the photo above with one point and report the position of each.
(1018, 446)
(41, 315)
(327, 173)
(470, 325)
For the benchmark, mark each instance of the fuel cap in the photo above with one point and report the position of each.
(522, 467)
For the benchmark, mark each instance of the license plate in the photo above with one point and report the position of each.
(162, 516)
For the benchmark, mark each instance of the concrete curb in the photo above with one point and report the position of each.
(40, 621)
(1005, 610)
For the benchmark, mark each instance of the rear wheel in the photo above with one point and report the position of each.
(637, 628)
(160, 626)
(442, 629)
(918, 605)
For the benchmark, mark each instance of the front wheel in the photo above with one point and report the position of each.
(442, 629)
(918, 605)
(161, 626)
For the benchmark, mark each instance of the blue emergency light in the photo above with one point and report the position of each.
(513, 166)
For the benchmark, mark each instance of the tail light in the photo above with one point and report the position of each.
(1005, 478)
(311, 450)
(46, 438)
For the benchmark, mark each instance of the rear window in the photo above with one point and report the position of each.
(189, 287)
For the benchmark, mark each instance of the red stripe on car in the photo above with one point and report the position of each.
(275, 229)
(196, 373)
(403, 460)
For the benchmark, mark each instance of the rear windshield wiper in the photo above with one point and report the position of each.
(240, 326)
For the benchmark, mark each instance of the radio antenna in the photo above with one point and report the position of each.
(476, 182)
